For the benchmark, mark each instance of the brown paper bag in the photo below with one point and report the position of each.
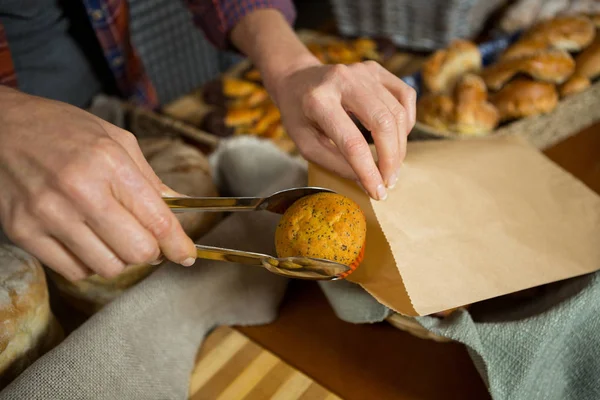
(472, 220)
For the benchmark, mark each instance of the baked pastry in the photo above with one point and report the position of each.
(276, 131)
(317, 51)
(270, 117)
(473, 114)
(436, 111)
(467, 112)
(521, 14)
(324, 225)
(366, 49)
(443, 68)
(342, 53)
(29, 329)
(185, 170)
(523, 98)
(588, 61)
(576, 84)
(242, 116)
(235, 88)
(253, 74)
(570, 33)
(554, 66)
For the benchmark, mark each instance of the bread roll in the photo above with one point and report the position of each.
(185, 170)
(467, 112)
(473, 114)
(569, 33)
(444, 68)
(242, 116)
(588, 62)
(436, 111)
(574, 85)
(554, 66)
(29, 328)
(523, 98)
(234, 88)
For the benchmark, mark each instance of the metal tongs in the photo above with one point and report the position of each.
(279, 202)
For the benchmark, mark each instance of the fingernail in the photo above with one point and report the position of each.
(188, 262)
(393, 180)
(155, 262)
(381, 192)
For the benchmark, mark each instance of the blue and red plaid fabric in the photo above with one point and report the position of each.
(110, 21)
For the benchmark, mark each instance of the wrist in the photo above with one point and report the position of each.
(267, 38)
(277, 72)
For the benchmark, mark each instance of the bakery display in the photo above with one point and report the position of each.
(554, 59)
(242, 106)
(324, 225)
(29, 329)
(184, 169)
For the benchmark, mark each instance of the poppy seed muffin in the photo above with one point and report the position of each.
(324, 225)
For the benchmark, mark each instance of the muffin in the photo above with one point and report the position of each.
(324, 225)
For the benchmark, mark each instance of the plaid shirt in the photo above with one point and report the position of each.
(109, 18)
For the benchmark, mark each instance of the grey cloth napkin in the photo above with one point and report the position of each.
(142, 345)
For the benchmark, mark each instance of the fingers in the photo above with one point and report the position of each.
(384, 118)
(63, 223)
(130, 144)
(123, 181)
(147, 205)
(333, 121)
(131, 242)
(55, 256)
(399, 89)
(317, 148)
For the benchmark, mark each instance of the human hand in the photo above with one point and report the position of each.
(315, 101)
(78, 194)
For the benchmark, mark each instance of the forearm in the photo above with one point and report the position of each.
(267, 38)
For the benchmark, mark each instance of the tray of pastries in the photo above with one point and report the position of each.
(541, 83)
(237, 103)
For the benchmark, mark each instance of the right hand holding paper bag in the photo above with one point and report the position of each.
(469, 221)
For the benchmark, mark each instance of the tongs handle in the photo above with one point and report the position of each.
(215, 204)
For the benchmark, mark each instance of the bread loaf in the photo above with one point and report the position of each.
(185, 170)
(29, 328)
